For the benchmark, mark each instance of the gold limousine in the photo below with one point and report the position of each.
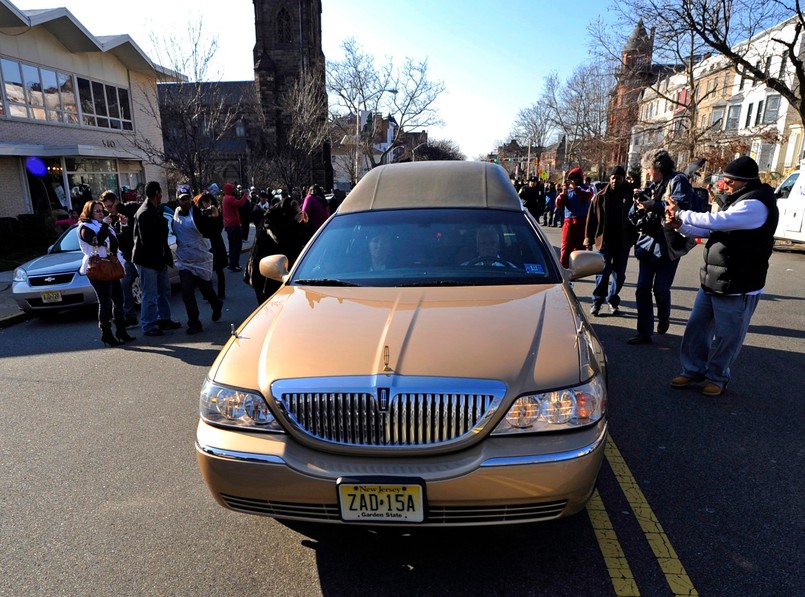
(425, 362)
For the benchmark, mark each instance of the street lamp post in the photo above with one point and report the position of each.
(413, 151)
(358, 131)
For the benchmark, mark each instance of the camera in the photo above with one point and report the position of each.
(642, 195)
(206, 210)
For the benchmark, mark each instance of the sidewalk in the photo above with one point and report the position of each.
(10, 313)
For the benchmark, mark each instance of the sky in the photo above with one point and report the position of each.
(492, 57)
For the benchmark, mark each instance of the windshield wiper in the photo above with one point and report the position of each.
(435, 283)
(324, 282)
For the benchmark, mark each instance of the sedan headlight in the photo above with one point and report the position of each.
(20, 275)
(235, 407)
(558, 410)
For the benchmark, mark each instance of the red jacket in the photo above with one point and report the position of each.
(231, 204)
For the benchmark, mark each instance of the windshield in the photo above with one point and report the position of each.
(427, 247)
(67, 241)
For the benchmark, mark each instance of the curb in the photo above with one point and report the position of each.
(14, 318)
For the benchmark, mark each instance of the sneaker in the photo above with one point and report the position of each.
(663, 325)
(595, 309)
(639, 339)
(614, 310)
(154, 332)
(168, 324)
(683, 381)
(712, 389)
(216, 312)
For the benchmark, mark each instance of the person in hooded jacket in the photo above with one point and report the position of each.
(736, 260)
(575, 200)
(233, 225)
(316, 208)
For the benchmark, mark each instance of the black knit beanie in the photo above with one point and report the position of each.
(742, 168)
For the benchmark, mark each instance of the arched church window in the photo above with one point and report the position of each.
(283, 27)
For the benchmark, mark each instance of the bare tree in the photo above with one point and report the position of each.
(440, 150)
(357, 86)
(193, 115)
(532, 127)
(304, 109)
(578, 109)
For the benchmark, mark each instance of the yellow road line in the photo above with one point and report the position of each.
(619, 572)
(673, 569)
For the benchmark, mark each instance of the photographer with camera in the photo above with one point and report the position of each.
(658, 246)
(575, 200)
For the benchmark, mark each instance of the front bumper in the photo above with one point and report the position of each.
(500, 480)
(33, 299)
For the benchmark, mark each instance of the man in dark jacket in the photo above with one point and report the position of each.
(736, 259)
(608, 230)
(152, 257)
(533, 197)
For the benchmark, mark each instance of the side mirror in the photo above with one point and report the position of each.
(274, 267)
(585, 263)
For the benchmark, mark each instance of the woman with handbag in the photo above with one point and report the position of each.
(103, 265)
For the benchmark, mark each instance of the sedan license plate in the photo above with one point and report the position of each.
(53, 296)
(381, 502)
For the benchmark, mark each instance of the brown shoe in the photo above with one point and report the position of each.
(683, 381)
(712, 389)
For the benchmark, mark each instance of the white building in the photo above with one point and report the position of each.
(70, 105)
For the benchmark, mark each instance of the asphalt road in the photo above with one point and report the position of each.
(100, 493)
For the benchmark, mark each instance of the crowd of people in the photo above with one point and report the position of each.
(135, 234)
(660, 223)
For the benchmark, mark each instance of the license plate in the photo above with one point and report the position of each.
(54, 296)
(381, 502)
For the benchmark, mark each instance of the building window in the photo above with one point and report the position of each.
(748, 122)
(733, 118)
(283, 27)
(767, 68)
(772, 109)
(759, 112)
(781, 74)
(240, 129)
(741, 86)
(716, 117)
(38, 93)
(104, 106)
(726, 85)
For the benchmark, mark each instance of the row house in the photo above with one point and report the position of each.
(726, 114)
(69, 112)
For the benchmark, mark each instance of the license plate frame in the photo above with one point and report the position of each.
(386, 500)
(51, 296)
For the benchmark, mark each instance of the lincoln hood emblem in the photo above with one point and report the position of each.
(386, 368)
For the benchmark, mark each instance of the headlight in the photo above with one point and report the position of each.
(234, 407)
(20, 275)
(569, 408)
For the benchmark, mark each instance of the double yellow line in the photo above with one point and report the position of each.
(619, 571)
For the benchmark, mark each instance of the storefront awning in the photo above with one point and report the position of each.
(50, 151)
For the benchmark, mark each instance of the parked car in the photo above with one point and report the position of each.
(424, 363)
(52, 282)
(791, 204)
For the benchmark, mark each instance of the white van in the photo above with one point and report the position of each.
(791, 204)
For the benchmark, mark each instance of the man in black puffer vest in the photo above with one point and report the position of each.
(736, 259)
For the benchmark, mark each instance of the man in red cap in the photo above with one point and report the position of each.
(575, 200)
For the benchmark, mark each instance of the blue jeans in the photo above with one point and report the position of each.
(155, 305)
(129, 306)
(714, 334)
(234, 236)
(609, 283)
(654, 277)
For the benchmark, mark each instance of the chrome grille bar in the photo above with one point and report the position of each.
(412, 419)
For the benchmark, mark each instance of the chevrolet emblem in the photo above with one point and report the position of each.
(50, 279)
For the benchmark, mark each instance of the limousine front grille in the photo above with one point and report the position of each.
(404, 419)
